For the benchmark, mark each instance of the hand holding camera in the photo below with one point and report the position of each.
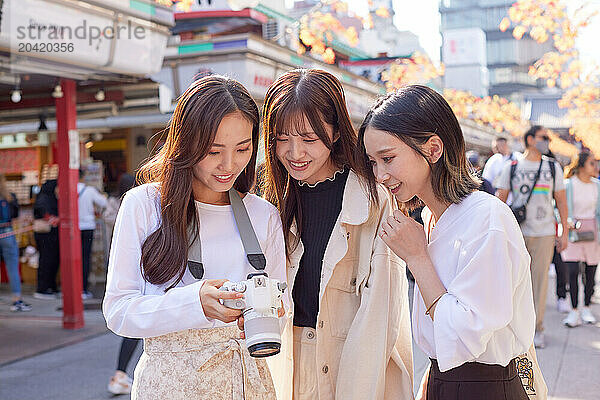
(211, 297)
(261, 309)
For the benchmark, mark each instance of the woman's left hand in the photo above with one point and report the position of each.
(404, 236)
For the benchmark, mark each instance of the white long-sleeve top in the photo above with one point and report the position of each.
(135, 308)
(487, 315)
(88, 198)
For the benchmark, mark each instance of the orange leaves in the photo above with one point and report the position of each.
(319, 28)
(352, 36)
(416, 69)
(560, 146)
(340, 7)
(519, 31)
(539, 34)
(583, 102)
(545, 19)
(493, 111)
(329, 56)
(181, 5)
(382, 12)
(322, 26)
(496, 112)
(540, 18)
(307, 37)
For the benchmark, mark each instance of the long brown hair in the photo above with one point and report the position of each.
(318, 96)
(413, 114)
(577, 163)
(191, 133)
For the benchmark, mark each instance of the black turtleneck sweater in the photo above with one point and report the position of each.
(321, 205)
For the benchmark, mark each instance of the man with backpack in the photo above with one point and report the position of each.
(534, 181)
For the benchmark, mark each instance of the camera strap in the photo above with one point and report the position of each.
(256, 258)
(513, 168)
(254, 253)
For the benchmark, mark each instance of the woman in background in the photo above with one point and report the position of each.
(583, 200)
(9, 249)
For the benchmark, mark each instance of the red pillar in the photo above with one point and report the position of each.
(67, 140)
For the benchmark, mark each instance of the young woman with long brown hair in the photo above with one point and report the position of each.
(351, 333)
(473, 309)
(191, 342)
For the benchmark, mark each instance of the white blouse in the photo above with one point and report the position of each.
(585, 198)
(135, 308)
(487, 315)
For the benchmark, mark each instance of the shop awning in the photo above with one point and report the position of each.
(84, 37)
(122, 121)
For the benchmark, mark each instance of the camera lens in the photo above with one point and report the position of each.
(264, 349)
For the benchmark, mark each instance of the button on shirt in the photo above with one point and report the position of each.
(487, 315)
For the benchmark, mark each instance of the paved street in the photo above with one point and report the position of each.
(80, 367)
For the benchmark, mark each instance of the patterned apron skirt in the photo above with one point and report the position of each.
(201, 364)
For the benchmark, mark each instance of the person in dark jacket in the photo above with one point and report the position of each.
(45, 211)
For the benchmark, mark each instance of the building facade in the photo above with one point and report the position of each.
(507, 59)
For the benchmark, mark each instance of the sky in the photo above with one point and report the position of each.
(423, 19)
(420, 17)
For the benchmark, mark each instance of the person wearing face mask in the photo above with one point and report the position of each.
(534, 181)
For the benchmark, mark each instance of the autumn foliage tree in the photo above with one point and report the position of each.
(415, 69)
(320, 26)
(549, 19)
(491, 111)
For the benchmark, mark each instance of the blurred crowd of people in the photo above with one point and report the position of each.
(546, 201)
(92, 205)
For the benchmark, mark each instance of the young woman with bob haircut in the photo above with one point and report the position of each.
(192, 346)
(473, 306)
(351, 333)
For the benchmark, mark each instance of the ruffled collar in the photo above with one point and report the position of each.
(331, 178)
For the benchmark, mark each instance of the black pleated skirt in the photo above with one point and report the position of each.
(475, 381)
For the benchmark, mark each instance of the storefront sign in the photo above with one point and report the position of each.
(73, 149)
(91, 37)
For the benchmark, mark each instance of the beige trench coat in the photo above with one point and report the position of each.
(363, 329)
